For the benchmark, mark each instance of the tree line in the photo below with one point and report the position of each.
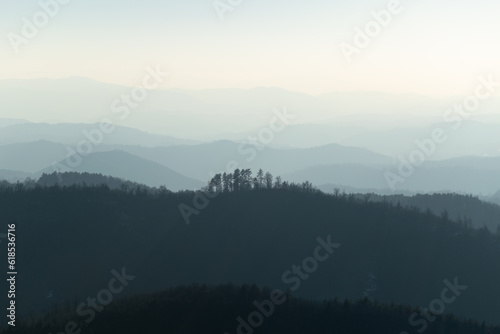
(235, 309)
(242, 179)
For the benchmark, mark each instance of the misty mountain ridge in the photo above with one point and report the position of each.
(329, 164)
(127, 166)
(170, 110)
(425, 179)
(73, 133)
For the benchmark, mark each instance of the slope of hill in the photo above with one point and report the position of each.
(198, 160)
(11, 121)
(388, 135)
(464, 208)
(13, 176)
(425, 178)
(474, 162)
(173, 111)
(471, 138)
(30, 157)
(86, 179)
(246, 237)
(164, 110)
(495, 198)
(73, 133)
(129, 167)
(195, 161)
(245, 309)
(349, 167)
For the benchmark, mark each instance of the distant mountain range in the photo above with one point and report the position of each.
(11, 121)
(13, 176)
(451, 178)
(30, 157)
(198, 160)
(191, 165)
(129, 167)
(73, 133)
(19, 161)
(194, 161)
(202, 113)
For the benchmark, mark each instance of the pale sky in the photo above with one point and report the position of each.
(432, 47)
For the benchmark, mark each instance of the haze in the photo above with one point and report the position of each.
(250, 166)
(285, 44)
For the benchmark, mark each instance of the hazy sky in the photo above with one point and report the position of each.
(431, 47)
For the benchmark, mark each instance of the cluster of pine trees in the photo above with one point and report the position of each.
(242, 179)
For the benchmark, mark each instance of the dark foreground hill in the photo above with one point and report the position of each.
(247, 309)
(71, 241)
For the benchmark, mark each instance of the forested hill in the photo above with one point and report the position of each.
(466, 209)
(69, 239)
(248, 309)
(84, 179)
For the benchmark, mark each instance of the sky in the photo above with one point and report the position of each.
(434, 48)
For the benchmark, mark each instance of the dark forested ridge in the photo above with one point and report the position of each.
(71, 238)
(247, 309)
(85, 179)
(466, 209)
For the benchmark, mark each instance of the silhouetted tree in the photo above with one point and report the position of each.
(246, 179)
(269, 180)
(260, 179)
(227, 182)
(278, 183)
(236, 180)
